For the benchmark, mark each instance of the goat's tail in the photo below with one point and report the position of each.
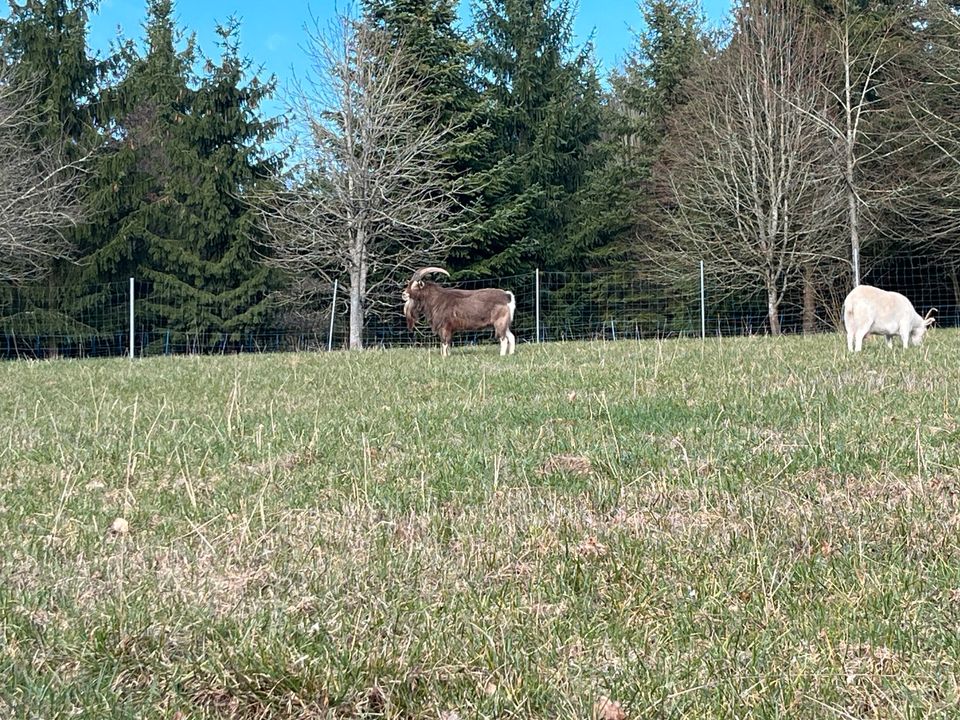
(512, 304)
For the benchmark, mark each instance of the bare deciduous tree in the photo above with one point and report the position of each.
(371, 195)
(749, 173)
(39, 188)
(866, 88)
(936, 114)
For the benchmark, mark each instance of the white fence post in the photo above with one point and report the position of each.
(703, 306)
(536, 282)
(131, 318)
(333, 311)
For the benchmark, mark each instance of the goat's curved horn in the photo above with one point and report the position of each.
(930, 312)
(423, 271)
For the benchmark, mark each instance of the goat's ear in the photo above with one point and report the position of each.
(929, 321)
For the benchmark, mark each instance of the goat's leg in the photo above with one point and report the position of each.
(500, 334)
(501, 330)
(858, 341)
(445, 337)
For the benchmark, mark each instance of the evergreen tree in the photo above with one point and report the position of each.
(206, 273)
(136, 214)
(46, 41)
(438, 51)
(169, 192)
(116, 187)
(543, 101)
(617, 211)
(441, 54)
(645, 95)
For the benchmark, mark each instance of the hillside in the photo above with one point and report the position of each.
(749, 527)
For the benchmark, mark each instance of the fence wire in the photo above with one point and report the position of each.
(51, 321)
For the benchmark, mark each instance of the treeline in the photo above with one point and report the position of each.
(794, 150)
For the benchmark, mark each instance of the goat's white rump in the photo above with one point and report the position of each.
(871, 311)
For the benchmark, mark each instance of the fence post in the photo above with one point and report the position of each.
(333, 310)
(703, 306)
(131, 318)
(536, 284)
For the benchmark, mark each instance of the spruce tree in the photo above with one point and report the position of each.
(438, 51)
(617, 212)
(206, 273)
(46, 40)
(543, 100)
(138, 218)
(441, 58)
(645, 95)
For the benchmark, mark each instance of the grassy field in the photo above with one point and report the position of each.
(737, 528)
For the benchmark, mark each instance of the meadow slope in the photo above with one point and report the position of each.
(738, 528)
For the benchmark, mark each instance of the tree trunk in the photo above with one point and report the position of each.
(809, 302)
(356, 311)
(358, 290)
(850, 149)
(854, 219)
(773, 309)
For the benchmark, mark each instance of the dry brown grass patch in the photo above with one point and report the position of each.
(571, 464)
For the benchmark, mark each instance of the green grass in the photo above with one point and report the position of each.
(737, 528)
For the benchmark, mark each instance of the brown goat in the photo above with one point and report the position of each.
(449, 310)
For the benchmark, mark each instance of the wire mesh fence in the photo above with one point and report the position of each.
(929, 282)
(111, 319)
(44, 321)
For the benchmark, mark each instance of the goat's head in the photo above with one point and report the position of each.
(918, 331)
(412, 294)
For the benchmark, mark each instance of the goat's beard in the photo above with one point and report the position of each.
(411, 311)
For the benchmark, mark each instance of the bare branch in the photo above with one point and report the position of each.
(371, 195)
(751, 184)
(935, 212)
(39, 187)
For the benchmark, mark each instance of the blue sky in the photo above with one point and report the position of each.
(272, 33)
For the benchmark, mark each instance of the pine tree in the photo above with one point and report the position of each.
(136, 215)
(429, 35)
(543, 101)
(206, 274)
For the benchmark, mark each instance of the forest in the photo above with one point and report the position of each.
(801, 148)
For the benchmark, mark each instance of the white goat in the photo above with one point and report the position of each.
(871, 311)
